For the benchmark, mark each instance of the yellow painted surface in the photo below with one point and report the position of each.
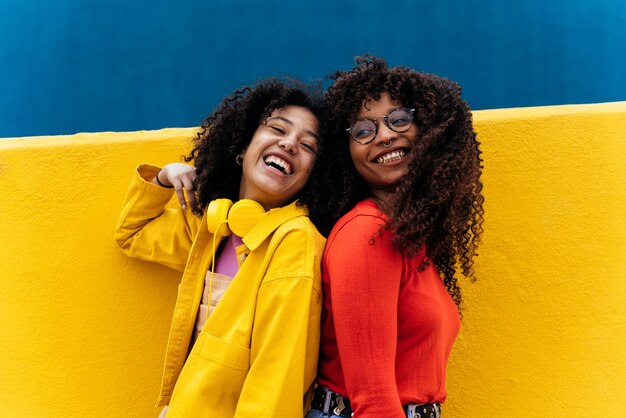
(544, 332)
(83, 328)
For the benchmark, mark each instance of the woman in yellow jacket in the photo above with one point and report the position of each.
(253, 354)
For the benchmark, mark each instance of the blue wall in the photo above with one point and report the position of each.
(117, 65)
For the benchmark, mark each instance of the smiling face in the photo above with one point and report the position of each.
(280, 157)
(382, 166)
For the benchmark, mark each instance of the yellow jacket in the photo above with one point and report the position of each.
(257, 353)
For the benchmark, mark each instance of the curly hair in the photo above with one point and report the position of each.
(227, 132)
(439, 202)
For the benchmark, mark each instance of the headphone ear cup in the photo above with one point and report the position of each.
(217, 216)
(244, 215)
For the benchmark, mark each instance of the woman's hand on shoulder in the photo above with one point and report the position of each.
(179, 176)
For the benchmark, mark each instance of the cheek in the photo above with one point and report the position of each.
(352, 150)
(357, 154)
(308, 165)
(413, 133)
(247, 167)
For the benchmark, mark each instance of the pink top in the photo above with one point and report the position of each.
(226, 266)
(227, 259)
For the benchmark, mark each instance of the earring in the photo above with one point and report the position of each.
(239, 159)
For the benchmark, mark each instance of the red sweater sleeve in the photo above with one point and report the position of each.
(365, 277)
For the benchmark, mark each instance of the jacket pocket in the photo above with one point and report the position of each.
(211, 380)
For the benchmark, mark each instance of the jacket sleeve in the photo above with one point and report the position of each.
(285, 337)
(152, 226)
(365, 277)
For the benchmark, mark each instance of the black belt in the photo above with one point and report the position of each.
(337, 404)
(330, 402)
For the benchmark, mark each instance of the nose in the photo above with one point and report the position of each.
(384, 134)
(289, 144)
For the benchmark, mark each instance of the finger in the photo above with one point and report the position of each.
(189, 189)
(180, 194)
(191, 195)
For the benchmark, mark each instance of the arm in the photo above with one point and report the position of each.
(285, 339)
(150, 230)
(365, 282)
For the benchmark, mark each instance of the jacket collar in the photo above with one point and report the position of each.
(274, 219)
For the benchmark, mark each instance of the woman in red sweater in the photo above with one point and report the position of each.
(391, 298)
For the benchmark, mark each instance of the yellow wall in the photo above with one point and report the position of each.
(83, 328)
(544, 333)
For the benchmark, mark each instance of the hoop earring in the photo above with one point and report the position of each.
(239, 159)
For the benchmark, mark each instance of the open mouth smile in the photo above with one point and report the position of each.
(392, 156)
(279, 164)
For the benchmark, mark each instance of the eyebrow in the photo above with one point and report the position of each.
(284, 119)
(386, 114)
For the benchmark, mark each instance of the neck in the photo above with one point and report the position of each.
(381, 197)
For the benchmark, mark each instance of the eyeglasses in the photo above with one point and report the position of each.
(365, 130)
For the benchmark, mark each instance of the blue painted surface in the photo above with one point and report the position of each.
(120, 65)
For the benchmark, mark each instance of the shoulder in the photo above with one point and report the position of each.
(300, 229)
(360, 235)
(364, 220)
(295, 251)
(360, 251)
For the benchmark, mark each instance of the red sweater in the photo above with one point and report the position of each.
(387, 329)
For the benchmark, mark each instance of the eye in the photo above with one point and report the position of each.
(309, 147)
(363, 129)
(278, 129)
(399, 121)
(399, 118)
(364, 133)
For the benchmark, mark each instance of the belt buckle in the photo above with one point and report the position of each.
(413, 411)
(340, 405)
(420, 411)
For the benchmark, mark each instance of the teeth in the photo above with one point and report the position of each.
(279, 163)
(392, 156)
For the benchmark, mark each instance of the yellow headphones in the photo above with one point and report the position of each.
(223, 216)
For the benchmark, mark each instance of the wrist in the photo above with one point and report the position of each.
(160, 183)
